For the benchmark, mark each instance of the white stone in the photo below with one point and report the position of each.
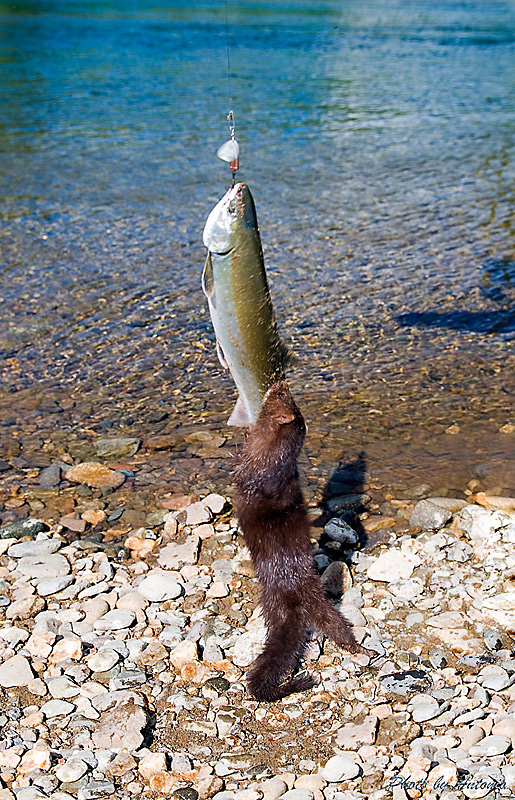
(49, 586)
(340, 768)
(158, 587)
(102, 660)
(44, 566)
(115, 620)
(16, 671)
(491, 746)
(392, 566)
(71, 770)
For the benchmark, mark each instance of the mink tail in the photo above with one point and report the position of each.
(329, 621)
(285, 644)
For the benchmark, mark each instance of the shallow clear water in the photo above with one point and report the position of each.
(378, 141)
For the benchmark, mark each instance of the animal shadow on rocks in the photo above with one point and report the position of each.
(342, 501)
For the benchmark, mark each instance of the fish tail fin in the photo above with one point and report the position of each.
(240, 416)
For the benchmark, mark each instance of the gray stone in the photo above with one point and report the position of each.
(297, 794)
(460, 552)
(49, 586)
(50, 476)
(434, 512)
(337, 580)
(116, 448)
(222, 570)
(212, 651)
(438, 658)
(405, 683)
(16, 671)
(24, 527)
(425, 711)
(493, 640)
(97, 789)
(29, 793)
(392, 566)
(158, 587)
(339, 768)
(348, 502)
(115, 620)
(340, 531)
(44, 566)
(38, 547)
(494, 678)
(353, 735)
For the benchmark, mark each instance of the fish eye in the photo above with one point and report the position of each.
(232, 208)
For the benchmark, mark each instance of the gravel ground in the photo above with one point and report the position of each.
(123, 650)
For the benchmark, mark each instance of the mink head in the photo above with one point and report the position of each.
(268, 461)
(279, 406)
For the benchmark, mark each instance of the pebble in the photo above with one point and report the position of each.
(434, 512)
(103, 660)
(392, 566)
(25, 527)
(49, 586)
(491, 746)
(43, 566)
(340, 768)
(173, 556)
(91, 473)
(127, 653)
(57, 708)
(16, 671)
(297, 794)
(71, 770)
(116, 448)
(158, 587)
(493, 640)
(115, 620)
(437, 658)
(340, 531)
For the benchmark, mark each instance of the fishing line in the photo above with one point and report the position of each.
(230, 115)
(230, 150)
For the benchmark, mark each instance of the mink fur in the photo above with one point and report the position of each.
(275, 524)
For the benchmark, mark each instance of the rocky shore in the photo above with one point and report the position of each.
(123, 650)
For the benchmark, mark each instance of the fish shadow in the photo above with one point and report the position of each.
(497, 284)
(502, 321)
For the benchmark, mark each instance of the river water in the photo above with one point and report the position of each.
(378, 141)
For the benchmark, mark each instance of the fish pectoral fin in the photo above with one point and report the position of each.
(208, 284)
(240, 415)
(221, 357)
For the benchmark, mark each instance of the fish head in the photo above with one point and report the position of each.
(234, 211)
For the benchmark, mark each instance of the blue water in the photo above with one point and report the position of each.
(378, 141)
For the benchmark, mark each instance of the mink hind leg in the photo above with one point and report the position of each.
(284, 647)
(329, 621)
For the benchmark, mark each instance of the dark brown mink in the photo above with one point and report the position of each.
(275, 524)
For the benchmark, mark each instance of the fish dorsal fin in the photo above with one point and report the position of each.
(240, 416)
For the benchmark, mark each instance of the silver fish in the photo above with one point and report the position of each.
(235, 284)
